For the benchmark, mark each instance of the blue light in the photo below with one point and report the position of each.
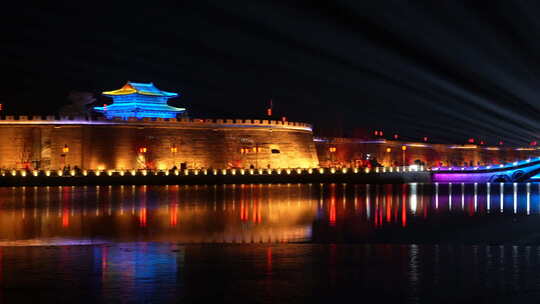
(139, 100)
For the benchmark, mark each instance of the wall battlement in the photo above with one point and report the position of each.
(51, 142)
(51, 119)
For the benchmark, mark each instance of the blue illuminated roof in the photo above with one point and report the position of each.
(139, 100)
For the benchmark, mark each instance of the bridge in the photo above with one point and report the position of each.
(519, 171)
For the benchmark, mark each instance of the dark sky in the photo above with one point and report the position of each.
(444, 69)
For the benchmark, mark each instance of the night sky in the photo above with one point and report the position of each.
(449, 70)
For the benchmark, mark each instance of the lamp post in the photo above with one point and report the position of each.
(403, 149)
(174, 149)
(332, 150)
(257, 150)
(142, 151)
(65, 151)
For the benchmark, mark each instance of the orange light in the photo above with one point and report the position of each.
(65, 149)
(388, 150)
(142, 150)
(1, 107)
(403, 148)
(269, 111)
(332, 149)
(174, 149)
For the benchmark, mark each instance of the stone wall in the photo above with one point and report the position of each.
(352, 151)
(116, 144)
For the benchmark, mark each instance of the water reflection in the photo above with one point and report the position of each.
(224, 243)
(268, 213)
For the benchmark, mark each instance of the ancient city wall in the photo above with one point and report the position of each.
(40, 142)
(349, 152)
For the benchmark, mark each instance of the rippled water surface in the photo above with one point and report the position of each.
(413, 243)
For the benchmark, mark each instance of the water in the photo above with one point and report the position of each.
(412, 243)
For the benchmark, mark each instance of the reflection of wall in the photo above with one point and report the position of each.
(188, 214)
(199, 143)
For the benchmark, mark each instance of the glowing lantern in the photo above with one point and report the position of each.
(403, 148)
(332, 149)
(388, 150)
(65, 149)
(142, 150)
(174, 149)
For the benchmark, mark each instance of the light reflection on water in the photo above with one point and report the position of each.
(259, 213)
(270, 243)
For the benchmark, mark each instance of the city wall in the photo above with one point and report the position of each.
(51, 143)
(350, 152)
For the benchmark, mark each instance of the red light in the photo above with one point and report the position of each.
(381, 133)
(533, 143)
(471, 140)
(396, 136)
(481, 142)
(1, 107)
(425, 138)
(501, 143)
(269, 111)
(284, 118)
(376, 133)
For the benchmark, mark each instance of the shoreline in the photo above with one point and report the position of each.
(199, 177)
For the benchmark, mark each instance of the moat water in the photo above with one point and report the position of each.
(287, 243)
